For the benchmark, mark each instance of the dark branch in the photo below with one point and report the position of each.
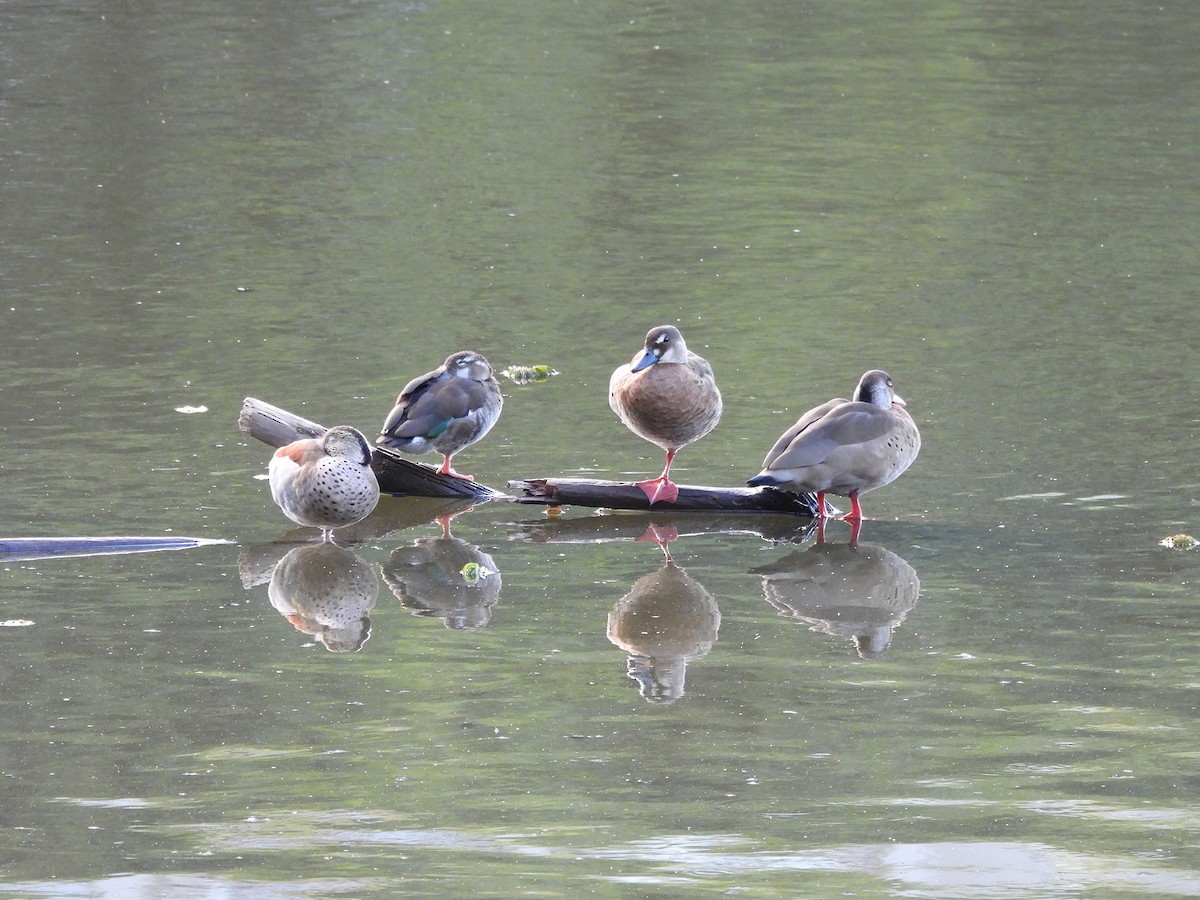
(397, 475)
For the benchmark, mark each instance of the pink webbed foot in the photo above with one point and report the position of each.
(446, 469)
(660, 489)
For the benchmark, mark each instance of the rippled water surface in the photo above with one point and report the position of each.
(995, 695)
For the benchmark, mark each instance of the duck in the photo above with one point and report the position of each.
(668, 396)
(845, 447)
(445, 411)
(325, 482)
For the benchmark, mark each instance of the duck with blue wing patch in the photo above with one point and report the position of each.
(445, 411)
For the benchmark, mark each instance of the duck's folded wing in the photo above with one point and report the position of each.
(434, 407)
(842, 426)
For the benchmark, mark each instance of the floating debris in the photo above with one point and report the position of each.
(16, 623)
(1180, 542)
(190, 410)
(528, 374)
(472, 572)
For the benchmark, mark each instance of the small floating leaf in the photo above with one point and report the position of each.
(16, 623)
(1179, 542)
(472, 572)
(528, 374)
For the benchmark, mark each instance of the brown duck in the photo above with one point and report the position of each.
(667, 395)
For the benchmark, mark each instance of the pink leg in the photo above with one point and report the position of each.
(661, 488)
(446, 469)
(855, 510)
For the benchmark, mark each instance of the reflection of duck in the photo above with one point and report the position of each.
(326, 591)
(845, 447)
(445, 577)
(666, 619)
(668, 396)
(445, 410)
(862, 592)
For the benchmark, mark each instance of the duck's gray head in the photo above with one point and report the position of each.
(664, 343)
(468, 364)
(347, 442)
(875, 387)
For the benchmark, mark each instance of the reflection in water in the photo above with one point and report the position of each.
(666, 619)
(633, 526)
(861, 591)
(445, 577)
(326, 591)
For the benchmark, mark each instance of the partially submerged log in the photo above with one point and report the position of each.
(404, 477)
(397, 475)
(624, 495)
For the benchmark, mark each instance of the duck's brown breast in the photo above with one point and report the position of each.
(670, 405)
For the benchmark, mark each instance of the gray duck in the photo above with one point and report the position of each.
(325, 482)
(445, 410)
(845, 447)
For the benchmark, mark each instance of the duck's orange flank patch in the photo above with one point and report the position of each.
(294, 451)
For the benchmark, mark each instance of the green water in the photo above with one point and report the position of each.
(312, 203)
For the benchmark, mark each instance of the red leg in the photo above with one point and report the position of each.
(446, 469)
(666, 473)
(661, 488)
(855, 510)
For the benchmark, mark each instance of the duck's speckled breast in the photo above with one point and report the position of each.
(333, 493)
